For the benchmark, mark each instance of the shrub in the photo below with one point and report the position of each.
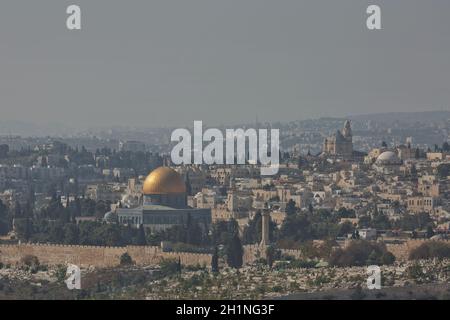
(303, 264)
(196, 267)
(319, 280)
(260, 262)
(360, 253)
(416, 273)
(125, 259)
(295, 264)
(277, 288)
(61, 272)
(431, 249)
(387, 258)
(30, 262)
(170, 267)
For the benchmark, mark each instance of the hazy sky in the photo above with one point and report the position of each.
(168, 62)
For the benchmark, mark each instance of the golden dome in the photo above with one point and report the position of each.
(163, 180)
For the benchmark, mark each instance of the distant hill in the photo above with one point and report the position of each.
(28, 129)
(404, 117)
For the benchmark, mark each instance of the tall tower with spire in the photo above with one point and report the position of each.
(341, 143)
(347, 131)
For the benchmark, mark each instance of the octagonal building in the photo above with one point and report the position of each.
(164, 203)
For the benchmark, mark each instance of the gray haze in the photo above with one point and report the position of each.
(168, 62)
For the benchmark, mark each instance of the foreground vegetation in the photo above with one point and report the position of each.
(30, 280)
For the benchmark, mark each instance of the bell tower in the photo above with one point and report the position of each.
(347, 131)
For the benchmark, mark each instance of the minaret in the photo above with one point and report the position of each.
(265, 228)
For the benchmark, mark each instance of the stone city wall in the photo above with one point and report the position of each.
(254, 252)
(96, 255)
(401, 250)
(297, 254)
(251, 253)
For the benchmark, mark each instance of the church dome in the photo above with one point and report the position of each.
(163, 180)
(388, 157)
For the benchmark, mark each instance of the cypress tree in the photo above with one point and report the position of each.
(234, 252)
(141, 241)
(215, 261)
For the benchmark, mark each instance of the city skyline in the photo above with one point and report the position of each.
(210, 150)
(29, 129)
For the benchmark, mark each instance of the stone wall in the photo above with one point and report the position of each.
(96, 255)
(149, 255)
(297, 254)
(401, 251)
(254, 252)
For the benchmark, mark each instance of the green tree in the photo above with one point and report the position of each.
(443, 170)
(360, 253)
(18, 210)
(125, 259)
(252, 232)
(141, 239)
(387, 258)
(381, 221)
(234, 252)
(346, 228)
(170, 267)
(290, 207)
(220, 232)
(365, 222)
(270, 255)
(215, 261)
(430, 231)
(23, 228)
(430, 250)
(416, 273)
(5, 219)
(296, 228)
(373, 258)
(71, 233)
(346, 213)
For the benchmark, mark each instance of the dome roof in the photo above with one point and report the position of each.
(163, 180)
(388, 157)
